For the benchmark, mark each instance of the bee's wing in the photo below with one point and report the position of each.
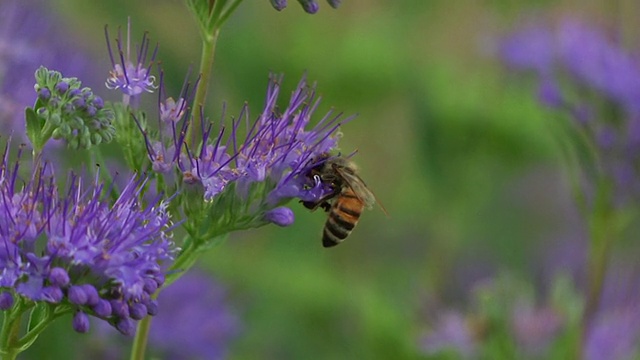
(359, 187)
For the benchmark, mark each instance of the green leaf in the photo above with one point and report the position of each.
(202, 13)
(34, 128)
(39, 314)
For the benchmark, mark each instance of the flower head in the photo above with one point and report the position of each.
(597, 82)
(132, 77)
(242, 177)
(73, 248)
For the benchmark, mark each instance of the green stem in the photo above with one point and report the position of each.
(184, 261)
(10, 333)
(140, 341)
(206, 68)
(601, 242)
(225, 15)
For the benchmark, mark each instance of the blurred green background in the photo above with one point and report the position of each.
(456, 149)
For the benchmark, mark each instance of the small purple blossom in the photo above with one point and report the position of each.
(72, 246)
(132, 78)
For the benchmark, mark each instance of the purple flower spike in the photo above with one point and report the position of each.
(81, 322)
(281, 216)
(132, 78)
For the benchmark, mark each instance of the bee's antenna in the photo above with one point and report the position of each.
(352, 154)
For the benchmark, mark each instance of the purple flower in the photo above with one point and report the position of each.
(614, 335)
(202, 327)
(452, 332)
(597, 82)
(242, 178)
(74, 247)
(132, 78)
(195, 321)
(534, 329)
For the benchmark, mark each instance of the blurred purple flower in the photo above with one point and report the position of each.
(534, 329)
(73, 247)
(452, 332)
(202, 327)
(614, 335)
(579, 66)
(530, 48)
(31, 37)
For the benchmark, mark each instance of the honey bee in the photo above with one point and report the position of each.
(348, 197)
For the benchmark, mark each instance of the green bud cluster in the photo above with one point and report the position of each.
(66, 110)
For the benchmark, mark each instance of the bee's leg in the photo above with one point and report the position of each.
(323, 202)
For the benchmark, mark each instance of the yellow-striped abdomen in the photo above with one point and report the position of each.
(343, 217)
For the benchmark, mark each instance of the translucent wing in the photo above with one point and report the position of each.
(359, 187)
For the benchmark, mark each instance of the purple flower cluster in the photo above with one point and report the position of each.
(310, 6)
(263, 168)
(597, 82)
(76, 250)
(29, 38)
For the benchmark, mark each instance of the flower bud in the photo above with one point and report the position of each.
(58, 277)
(102, 308)
(126, 326)
(77, 295)
(279, 4)
(92, 294)
(6, 300)
(52, 294)
(80, 322)
(137, 311)
(281, 216)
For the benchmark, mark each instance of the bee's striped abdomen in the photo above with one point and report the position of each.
(343, 217)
